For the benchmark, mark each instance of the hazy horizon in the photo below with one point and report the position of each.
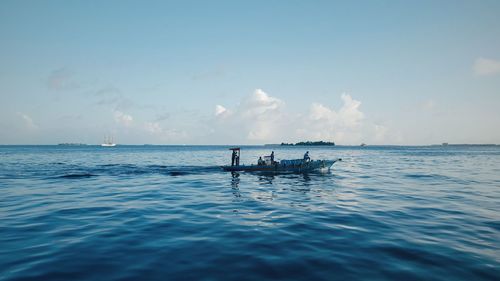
(263, 145)
(210, 73)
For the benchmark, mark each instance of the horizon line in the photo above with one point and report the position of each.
(343, 145)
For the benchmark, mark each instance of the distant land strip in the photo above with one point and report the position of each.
(309, 143)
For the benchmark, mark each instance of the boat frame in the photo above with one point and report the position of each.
(283, 166)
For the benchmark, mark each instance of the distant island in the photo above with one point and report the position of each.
(71, 144)
(309, 143)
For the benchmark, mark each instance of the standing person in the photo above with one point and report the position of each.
(272, 157)
(233, 157)
(306, 156)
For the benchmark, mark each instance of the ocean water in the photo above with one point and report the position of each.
(170, 213)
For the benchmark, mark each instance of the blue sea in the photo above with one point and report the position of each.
(171, 213)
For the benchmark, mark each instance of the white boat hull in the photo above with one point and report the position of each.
(108, 144)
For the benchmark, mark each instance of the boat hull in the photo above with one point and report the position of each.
(283, 167)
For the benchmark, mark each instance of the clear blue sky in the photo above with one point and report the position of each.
(217, 72)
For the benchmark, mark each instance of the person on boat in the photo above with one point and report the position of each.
(260, 162)
(306, 157)
(233, 158)
(272, 157)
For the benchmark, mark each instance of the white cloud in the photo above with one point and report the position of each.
(123, 119)
(263, 115)
(324, 123)
(258, 118)
(484, 66)
(263, 118)
(260, 104)
(321, 112)
(220, 110)
(349, 114)
(28, 121)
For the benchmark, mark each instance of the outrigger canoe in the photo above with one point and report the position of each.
(294, 166)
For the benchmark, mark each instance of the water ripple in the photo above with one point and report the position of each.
(135, 213)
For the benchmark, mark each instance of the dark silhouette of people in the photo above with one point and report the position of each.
(233, 158)
(272, 157)
(260, 161)
(306, 156)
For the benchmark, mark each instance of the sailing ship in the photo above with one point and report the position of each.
(108, 142)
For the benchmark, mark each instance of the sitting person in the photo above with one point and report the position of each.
(260, 162)
(306, 157)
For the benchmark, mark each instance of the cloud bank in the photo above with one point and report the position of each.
(258, 118)
(261, 118)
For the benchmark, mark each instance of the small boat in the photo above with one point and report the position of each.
(269, 165)
(108, 142)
